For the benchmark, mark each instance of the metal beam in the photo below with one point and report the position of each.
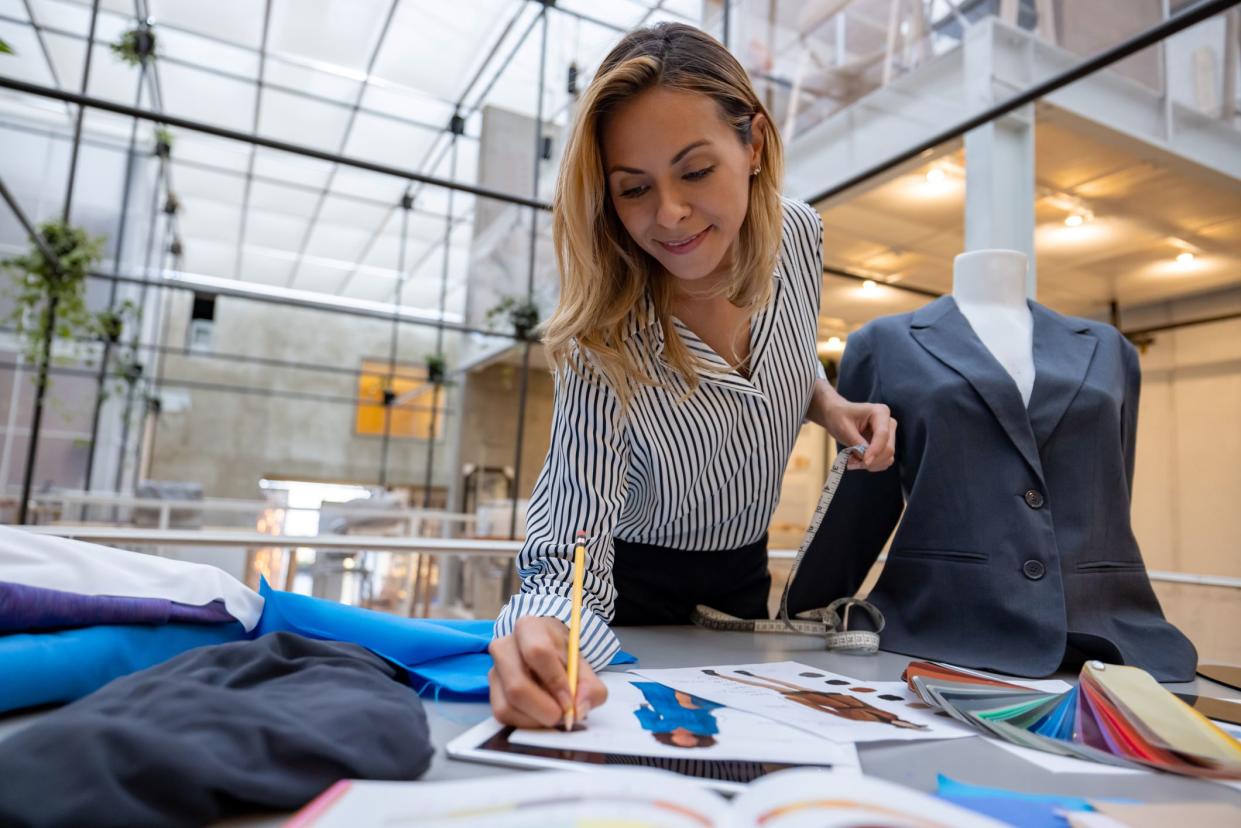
(271, 143)
(249, 182)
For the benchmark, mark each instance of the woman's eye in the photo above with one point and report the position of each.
(633, 192)
(700, 174)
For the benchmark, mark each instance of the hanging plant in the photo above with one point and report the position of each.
(172, 204)
(163, 142)
(6, 49)
(38, 281)
(111, 323)
(522, 315)
(177, 249)
(136, 46)
(437, 369)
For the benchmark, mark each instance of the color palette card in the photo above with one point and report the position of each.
(1117, 715)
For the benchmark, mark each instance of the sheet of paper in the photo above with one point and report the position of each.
(643, 718)
(826, 704)
(633, 798)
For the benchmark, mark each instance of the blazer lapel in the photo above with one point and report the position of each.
(1062, 355)
(946, 334)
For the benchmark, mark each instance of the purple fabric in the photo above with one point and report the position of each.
(25, 608)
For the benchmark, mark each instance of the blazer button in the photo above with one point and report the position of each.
(1034, 500)
(1034, 570)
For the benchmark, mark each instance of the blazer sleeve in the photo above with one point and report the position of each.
(581, 486)
(1129, 409)
(865, 510)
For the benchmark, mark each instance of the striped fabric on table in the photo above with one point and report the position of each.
(697, 475)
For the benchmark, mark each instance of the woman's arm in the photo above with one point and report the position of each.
(581, 487)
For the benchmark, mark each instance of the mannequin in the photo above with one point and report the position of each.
(989, 289)
(1011, 493)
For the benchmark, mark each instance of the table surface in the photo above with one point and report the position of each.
(915, 764)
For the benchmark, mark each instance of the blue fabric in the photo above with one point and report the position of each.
(440, 655)
(1019, 809)
(61, 666)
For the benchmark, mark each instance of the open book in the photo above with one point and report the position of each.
(636, 798)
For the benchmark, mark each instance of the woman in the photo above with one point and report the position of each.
(685, 354)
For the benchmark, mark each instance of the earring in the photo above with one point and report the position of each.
(756, 169)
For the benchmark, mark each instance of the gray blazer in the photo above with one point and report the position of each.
(1015, 540)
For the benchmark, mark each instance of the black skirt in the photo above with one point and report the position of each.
(658, 585)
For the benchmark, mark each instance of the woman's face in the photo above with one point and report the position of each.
(679, 178)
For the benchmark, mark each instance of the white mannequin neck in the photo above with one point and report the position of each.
(990, 277)
(989, 287)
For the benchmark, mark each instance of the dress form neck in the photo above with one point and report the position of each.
(989, 287)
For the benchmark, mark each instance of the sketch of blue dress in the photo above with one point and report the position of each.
(663, 713)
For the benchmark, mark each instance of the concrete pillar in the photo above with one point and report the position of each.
(999, 162)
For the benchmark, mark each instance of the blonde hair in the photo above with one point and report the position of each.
(604, 274)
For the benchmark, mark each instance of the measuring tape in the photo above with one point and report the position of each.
(826, 622)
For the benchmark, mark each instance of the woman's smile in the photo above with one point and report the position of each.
(685, 245)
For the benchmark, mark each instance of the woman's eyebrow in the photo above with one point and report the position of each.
(675, 158)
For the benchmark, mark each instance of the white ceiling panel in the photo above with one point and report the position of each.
(275, 230)
(409, 103)
(369, 185)
(439, 71)
(268, 267)
(215, 221)
(53, 14)
(341, 34)
(306, 78)
(350, 213)
(237, 21)
(343, 244)
(295, 169)
(319, 277)
(174, 45)
(201, 96)
(385, 141)
(300, 121)
(194, 183)
(208, 258)
(278, 199)
(207, 149)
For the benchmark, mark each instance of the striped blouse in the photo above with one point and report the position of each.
(701, 474)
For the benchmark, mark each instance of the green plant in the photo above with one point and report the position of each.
(163, 142)
(437, 368)
(522, 315)
(6, 49)
(136, 46)
(41, 283)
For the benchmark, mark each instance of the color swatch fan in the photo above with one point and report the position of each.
(1116, 715)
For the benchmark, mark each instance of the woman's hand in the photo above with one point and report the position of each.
(530, 682)
(853, 423)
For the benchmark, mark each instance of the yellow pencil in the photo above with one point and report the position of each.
(575, 626)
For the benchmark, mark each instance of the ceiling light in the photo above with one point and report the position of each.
(1075, 220)
(1185, 258)
(869, 286)
(833, 342)
(934, 176)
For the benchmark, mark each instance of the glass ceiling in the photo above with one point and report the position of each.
(377, 80)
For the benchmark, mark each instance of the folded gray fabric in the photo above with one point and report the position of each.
(216, 731)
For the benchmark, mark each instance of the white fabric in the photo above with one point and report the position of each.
(90, 569)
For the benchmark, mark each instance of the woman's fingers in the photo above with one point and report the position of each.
(544, 652)
(523, 699)
(504, 712)
(879, 425)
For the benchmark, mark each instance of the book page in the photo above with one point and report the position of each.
(643, 718)
(633, 798)
(821, 799)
